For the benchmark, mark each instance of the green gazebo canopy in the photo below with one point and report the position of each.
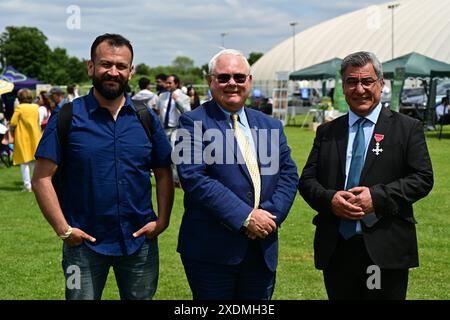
(321, 71)
(416, 65)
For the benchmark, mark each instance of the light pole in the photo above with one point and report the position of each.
(392, 7)
(293, 24)
(223, 34)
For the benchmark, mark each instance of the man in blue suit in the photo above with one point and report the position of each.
(239, 182)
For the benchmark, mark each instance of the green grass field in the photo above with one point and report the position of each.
(30, 253)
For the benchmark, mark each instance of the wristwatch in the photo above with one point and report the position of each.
(66, 234)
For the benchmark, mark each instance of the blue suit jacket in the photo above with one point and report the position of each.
(219, 197)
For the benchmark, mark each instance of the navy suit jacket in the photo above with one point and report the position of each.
(219, 197)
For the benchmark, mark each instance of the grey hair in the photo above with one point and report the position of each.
(213, 61)
(360, 59)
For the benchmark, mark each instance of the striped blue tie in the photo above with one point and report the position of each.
(347, 228)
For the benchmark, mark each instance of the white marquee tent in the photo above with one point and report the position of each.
(419, 26)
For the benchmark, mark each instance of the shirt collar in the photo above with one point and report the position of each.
(94, 105)
(241, 114)
(372, 116)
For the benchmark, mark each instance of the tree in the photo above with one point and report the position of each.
(25, 49)
(55, 70)
(63, 69)
(77, 70)
(183, 64)
(254, 56)
(143, 69)
(205, 69)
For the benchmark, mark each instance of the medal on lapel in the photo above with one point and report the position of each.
(378, 138)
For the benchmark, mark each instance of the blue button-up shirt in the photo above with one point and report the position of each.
(107, 187)
(243, 124)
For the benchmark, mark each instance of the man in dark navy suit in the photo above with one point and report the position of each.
(365, 171)
(239, 182)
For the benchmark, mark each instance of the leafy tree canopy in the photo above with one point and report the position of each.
(25, 49)
(254, 56)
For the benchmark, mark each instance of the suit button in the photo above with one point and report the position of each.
(249, 194)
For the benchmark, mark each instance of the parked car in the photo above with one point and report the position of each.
(414, 97)
(442, 90)
(261, 103)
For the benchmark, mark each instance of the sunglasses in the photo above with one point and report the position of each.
(225, 77)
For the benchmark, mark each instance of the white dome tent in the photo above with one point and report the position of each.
(419, 26)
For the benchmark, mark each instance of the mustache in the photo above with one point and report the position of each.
(107, 77)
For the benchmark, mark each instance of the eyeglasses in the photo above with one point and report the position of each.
(225, 77)
(366, 83)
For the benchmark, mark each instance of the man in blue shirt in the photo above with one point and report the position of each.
(106, 217)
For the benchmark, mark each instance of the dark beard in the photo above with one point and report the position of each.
(109, 93)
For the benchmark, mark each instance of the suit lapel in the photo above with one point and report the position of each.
(254, 125)
(221, 121)
(224, 126)
(341, 135)
(382, 127)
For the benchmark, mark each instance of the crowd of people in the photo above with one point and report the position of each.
(28, 121)
(182, 99)
(363, 174)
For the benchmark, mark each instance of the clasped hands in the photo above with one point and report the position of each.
(262, 223)
(353, 203)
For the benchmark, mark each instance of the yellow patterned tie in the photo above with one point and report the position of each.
(249, 157)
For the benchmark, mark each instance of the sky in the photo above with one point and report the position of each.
(162, 30)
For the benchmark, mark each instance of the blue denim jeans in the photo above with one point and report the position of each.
(86, 272)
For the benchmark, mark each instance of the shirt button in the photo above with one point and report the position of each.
(249, 195)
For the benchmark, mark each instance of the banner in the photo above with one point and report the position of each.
(6, 86)
(396, 88)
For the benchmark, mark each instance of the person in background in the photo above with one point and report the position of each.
(161, 80)
(193, 96)
(71, 93)
(105, 214)
(171, 104)
(56, 95)
(145, 96)
(442, 109)
(363, 174)
(46, 107)
(27, 133)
